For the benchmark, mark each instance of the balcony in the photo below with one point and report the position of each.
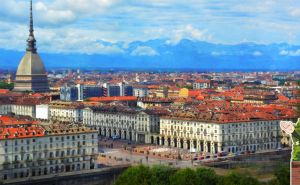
(16, 162)
(6, 165)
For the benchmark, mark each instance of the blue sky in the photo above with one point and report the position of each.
(79, 26)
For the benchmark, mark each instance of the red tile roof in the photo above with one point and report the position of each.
(202, 81)
(19, 127)
(194, 93)
(113, 98)
(4, 91)
(9, 121)
(28, 132)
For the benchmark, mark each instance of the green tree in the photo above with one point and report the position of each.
(238, 179)
(164, 175)
(4, 85)
(139, 175)
(282, 174)
(206, 176)
(184, 177)
(273, 182)
(160, 175)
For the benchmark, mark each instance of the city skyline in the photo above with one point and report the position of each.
(101, 86)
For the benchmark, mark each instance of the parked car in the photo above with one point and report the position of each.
(201, 157)
(222, 154)
(115, 137)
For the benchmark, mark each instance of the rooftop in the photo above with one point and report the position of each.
(113, 98)
(23, 127)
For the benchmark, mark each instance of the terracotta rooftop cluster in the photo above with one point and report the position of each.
(24, 99)
(26, 132)
(19, 127)
(63, 129)
(156, 100)
(222, 117)
(23, 127)
(18, 120)
(113, 98)
(225, 112)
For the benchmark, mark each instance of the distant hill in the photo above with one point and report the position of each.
(185, 55)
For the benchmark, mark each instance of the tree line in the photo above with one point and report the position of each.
(164, 175)
(4, 85)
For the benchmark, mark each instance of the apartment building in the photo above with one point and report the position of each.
(30, 148)
(66, 111)
(218, 133)
(123, 122)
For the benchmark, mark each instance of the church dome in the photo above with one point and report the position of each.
(31, 64)
(31, 74)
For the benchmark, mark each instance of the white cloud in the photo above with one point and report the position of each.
(13, 8)
(75, 41)
(101, 49)
(84, 6)
(218, 53)
(52, 16)
(144, 51)
(54, 12)
(257, 7)
(295, 12)
(293, 53)
(284, 52)
(257, 53)
(188, 32)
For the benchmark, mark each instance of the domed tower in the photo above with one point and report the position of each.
(31, 74)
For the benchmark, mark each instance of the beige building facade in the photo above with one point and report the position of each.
(214, 137)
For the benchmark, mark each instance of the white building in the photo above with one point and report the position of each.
(201, 84)
(123, 122)
(42, 112)
(66, 111)
(218, 136)
(21, 105)
(140, 92)
(45, 150)
(18, 109)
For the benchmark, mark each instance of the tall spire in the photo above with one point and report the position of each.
(31, 42)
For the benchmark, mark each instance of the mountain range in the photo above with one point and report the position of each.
(163, 54)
